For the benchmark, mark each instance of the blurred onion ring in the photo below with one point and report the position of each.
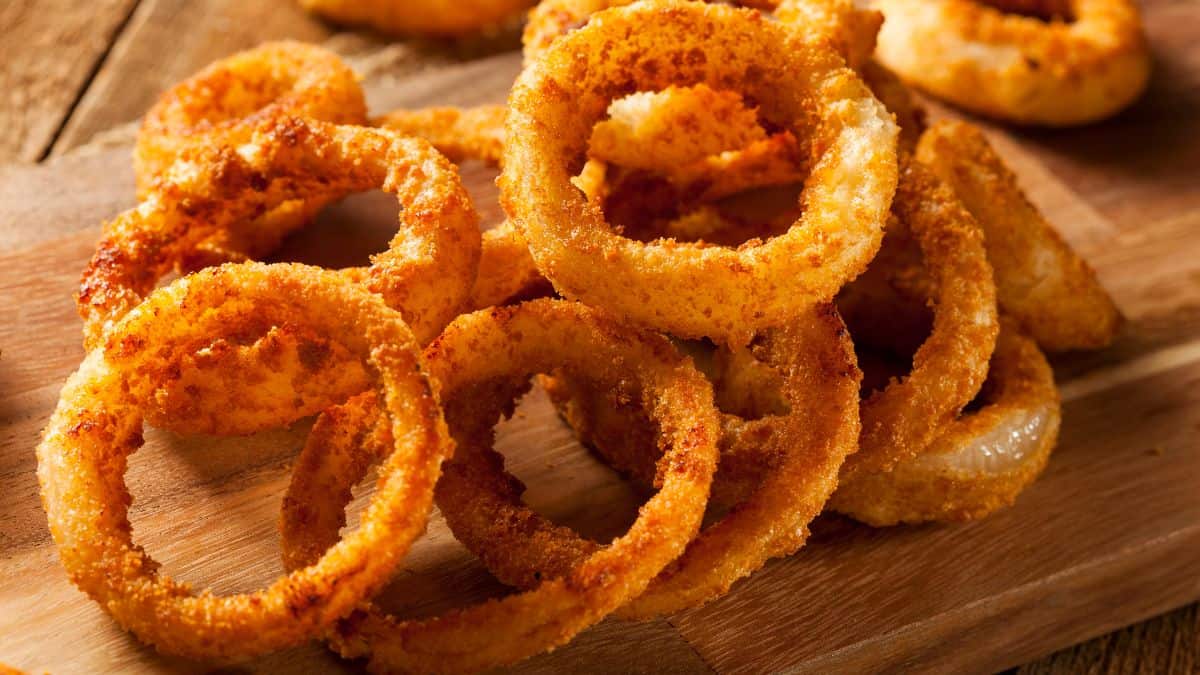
(1051, 291)
(98, 424)
(218, 106)
(434, 18)
(427, 272)
(980, 462)
(688, 290)
(481, 362)
(800, 440)
(1046, 70)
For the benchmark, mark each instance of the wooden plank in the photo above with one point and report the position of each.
(1168, 644)
(167, 40)
(929, 596)
(48, 52)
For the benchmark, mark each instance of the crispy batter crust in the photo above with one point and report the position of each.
(427, 272)
(793, 452)
(688, 290)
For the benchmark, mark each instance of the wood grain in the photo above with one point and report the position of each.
(48, 51)
(1111, 535)
(168, 40)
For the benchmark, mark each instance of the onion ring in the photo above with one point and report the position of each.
(427, 272)
(686, 290)
(97, 425)
(214, 106)
(980, 462)
(804, 440)
(901, 420)
(435, 18)
(536, 336)
(1019, 68)
(276, 78)
(1040, 280)
(949, 367)
(506, 270)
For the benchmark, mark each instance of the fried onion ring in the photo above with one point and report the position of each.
(687, 290)
(1015, 67)
(215, 106)
(1051, 291)
(276, 78)
(435, 18)
(506, 270)
(537, 336)
(98, 424)
(980, 462)
(427, 273)
(803, 438)
(902, 419)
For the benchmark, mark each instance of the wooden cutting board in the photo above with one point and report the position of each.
(1109, 536)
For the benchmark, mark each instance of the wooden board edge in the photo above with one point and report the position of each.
(1032, 621)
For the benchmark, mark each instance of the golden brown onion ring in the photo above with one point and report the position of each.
(98, 424)
(1019, 68)
(477, 386)
(902, 419)
(218, 106)
(688, 290)
(435, 18)
(980, 462)
(427, 273)
(506, 270)
(1040, 280)
(213, 106)
(802, 439)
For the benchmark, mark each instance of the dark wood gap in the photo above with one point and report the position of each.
(91, 76)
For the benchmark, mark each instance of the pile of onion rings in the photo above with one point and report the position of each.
(1038, 62)
(780, 292)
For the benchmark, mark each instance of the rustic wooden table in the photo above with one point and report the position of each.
(76, 74)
